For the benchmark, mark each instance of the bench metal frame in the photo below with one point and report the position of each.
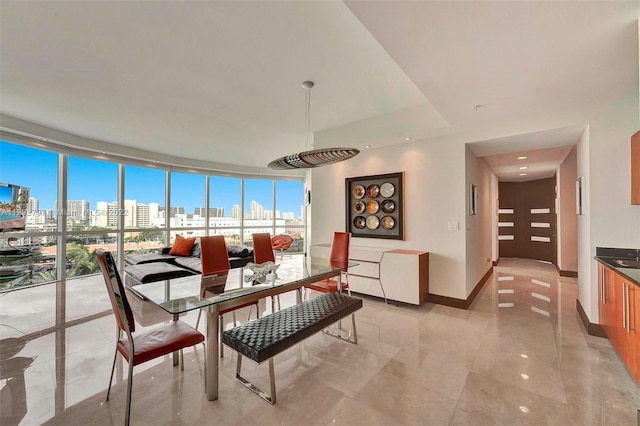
(272, 398)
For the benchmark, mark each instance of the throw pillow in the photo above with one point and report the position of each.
(182, 246)
(197, 250)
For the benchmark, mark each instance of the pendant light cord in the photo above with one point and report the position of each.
(307, 119)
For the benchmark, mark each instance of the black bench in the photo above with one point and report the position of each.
(262, 339)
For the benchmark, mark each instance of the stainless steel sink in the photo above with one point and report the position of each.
(628, 263)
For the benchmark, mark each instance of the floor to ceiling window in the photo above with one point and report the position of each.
(28, 231)
(92, 214)
(145, 197)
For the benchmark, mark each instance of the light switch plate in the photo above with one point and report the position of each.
(454, 226)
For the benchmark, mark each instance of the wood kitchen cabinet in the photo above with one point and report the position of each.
(619, 309)
(635, 168)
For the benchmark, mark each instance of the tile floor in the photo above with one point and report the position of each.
(519, 356)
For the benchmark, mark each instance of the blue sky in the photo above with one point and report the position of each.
(95, 180)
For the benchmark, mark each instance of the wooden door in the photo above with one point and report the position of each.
(527, 219)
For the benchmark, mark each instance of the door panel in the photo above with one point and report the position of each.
(527, 219)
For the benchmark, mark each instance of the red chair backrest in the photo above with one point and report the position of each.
(262, 249)
(340, 247)
(281, 242)
(115, 289)
(214, 255)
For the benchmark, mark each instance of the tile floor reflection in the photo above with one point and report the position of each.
(519, 356)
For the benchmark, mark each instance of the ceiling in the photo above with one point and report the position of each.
(221, 81)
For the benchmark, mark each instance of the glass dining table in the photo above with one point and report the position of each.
(236, 287)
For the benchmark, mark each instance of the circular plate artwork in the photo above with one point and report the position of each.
(358, 207)
(387, 189)
(373, 222)
(388, 206)
(387, 222)
(358, 191)
(359, 222)
(372, 206)
(373, 191)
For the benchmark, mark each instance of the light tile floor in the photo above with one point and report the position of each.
(519, 356)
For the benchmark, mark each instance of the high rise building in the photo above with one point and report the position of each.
(77, 212)
(235, 212)
(213, 211)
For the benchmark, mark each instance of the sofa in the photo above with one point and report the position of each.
(149, 267)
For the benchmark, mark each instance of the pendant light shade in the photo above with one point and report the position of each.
(312, 157)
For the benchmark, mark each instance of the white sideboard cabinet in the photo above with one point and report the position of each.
(400, 275)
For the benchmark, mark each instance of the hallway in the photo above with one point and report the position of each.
(519, 356)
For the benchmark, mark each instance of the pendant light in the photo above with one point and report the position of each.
(313, 157)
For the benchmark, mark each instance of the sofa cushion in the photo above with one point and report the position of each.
(139, 259)
(239, 251)
(182, 246)
(150, 272)
(192, 263)
(239, 262)
(197, 249)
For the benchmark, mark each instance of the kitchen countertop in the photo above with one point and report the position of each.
(613, 257)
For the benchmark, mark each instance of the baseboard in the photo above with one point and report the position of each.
(592, 328)
(572, 274)
(461, 303)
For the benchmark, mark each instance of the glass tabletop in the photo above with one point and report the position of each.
(184, 294)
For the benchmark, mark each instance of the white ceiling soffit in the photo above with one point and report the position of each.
(530, 141)
(529, 66)
(540, 164)
(214, 81)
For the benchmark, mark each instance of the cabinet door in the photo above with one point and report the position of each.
(609, 301)
(634, 323)
(623, 334)
(602, 305)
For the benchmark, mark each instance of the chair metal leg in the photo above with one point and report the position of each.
(198, 320)
(129, 388)
(181, 359)
(113, 367)
(221, 323)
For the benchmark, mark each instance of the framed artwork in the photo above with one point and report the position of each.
(374, 206)
(473, 199)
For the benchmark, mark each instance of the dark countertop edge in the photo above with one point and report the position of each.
(608, 262)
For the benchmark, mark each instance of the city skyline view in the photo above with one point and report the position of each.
(95, 181)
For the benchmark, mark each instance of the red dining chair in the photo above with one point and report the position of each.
(262, 249)
(339, 256)
(281, 243)
(263, 252)
(139, 348)
(215, 259)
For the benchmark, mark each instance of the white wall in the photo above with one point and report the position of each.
(610, 219)
(479, 226)
(567, 219)
(434, 194)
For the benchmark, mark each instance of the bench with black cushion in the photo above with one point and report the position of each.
(262, 339)
(150, 272)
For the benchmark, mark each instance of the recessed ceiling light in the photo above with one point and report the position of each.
(367, 146)
(523, 409)
(524, 355)
(524, 157)
(523, 174)
(525, 376)
(523, 168)
(407, 139)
